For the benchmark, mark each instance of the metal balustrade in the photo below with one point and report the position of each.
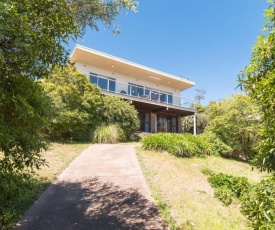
(128, 90)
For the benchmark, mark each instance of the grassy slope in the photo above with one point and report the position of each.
(179, 183)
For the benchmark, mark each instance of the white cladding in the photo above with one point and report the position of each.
(87, 69)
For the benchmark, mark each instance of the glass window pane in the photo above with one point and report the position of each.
(93, 79)
(147, 91)
(112, 85)
(140, 91)
(163, 97)
(133, 90)
(103, 83)
(155, 95)
(170, 99)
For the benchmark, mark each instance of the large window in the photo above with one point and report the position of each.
(103, 82)
(135, 90)
(153, 94)
(144, 122)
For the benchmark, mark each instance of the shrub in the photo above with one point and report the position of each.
(214, 145)
(11, 189)
(227, 186)
(259, 205)
(107, 134)
(184, 145)
(117, 111)
(76, 105)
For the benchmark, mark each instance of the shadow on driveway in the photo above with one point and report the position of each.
(90, 204)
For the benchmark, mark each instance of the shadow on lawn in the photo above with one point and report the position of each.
(91, 205)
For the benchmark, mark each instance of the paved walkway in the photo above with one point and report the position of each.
(103, 188)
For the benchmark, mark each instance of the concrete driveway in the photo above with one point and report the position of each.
(103, 188)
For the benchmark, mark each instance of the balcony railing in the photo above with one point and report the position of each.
(128, 90)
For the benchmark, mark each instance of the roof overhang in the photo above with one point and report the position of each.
(114, 64)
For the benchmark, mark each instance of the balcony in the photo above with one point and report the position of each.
(140, 93)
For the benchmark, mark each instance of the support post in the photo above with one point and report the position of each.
(195, 125)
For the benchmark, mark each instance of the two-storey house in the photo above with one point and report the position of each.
(156, 95)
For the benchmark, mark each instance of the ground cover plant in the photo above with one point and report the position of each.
(228, 187)
(18, 193)
(184, 193)
(185, 144)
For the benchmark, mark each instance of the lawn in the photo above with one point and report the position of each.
(183, 194)
(58, 157)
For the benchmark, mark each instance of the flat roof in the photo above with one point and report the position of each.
(102, 60)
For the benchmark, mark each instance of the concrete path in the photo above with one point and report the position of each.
(103, 188)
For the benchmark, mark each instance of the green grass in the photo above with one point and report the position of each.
(58, 158)
(187, 198)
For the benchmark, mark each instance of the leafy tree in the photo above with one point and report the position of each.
(235, 121)
(258, 79)
(77, 103)
(32, 35)
(118, 111)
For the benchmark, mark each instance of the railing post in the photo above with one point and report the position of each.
(195, 125)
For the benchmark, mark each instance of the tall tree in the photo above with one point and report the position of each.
(258, 79)
(235, 120)
(32, 34)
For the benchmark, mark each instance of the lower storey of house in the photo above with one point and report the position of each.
(159, 122)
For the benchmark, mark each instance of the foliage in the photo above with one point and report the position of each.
(181, 145)
(25, 110)
(32, 38)
(88, 13)
(11, 187)
(214, 144)
(117, 111)
(259, 205)
(201, 123)
(227, 186)
(258, 79)
(107, 134)
(76, 102)
(235, 120)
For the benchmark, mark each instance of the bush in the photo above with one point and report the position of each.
(117, 111)
(227, 186)
(214, 145)
(259, 205)
(11, 189)
(107, 134)
(76, 105)
(184, 145)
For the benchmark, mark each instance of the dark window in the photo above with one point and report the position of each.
(103, 83)
(163, 97)
(112, 85)
(147, 91)
(170, 99)
(155, 95)
(93, 79)
(140, 91)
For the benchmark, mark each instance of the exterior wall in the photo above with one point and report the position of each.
(86, 69)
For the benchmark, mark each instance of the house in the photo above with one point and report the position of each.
(156, 95)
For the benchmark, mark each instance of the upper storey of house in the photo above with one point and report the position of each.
(120, 67)
(118, 76)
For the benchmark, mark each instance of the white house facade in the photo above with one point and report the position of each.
(156, 95)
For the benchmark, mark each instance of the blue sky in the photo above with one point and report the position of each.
(207, 41)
